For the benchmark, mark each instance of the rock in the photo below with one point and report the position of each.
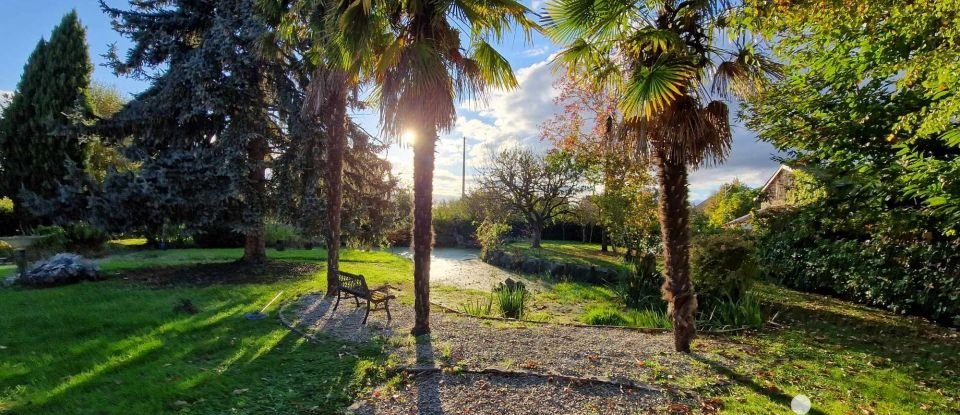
(579, 273)
(531, 266)
(9, 281)
(557, 270)
(60, 269)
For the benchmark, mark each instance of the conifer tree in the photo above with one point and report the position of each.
(39, 133)
(203, 128)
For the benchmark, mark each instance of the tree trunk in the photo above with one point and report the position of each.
(677, 287)
(254, 245)
(423, 160)
(603, 240)
(336, 112)
(536, 236)
(590, 238)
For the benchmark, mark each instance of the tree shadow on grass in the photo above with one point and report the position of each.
(774, 395)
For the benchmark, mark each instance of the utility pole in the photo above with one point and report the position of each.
(463, 175)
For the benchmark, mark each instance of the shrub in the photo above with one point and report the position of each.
(218, 237)
(887, 260)
(281, 232)
(492, 236)
(722, 266)
(511, 298)
(55, 238)
(61, 269)
(640, 285)
(85, 235)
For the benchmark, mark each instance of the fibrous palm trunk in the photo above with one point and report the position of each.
(677, 287)
(254, 246)
(423, 161)
(337, 142)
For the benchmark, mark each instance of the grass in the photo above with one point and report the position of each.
(570, 252)
(847, 358)
(116, 347)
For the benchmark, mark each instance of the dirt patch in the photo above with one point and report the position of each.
(221, 273)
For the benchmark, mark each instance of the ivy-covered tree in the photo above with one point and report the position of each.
(39, 131)
(203, 128)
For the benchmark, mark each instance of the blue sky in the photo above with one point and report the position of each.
(504, 119)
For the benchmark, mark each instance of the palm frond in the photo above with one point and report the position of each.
(492, 66)
(745, 74)
(651, 89)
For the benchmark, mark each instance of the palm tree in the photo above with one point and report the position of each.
(420, 72)
(671, 74)
(313, 29)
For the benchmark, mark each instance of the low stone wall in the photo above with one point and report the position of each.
(515, 261)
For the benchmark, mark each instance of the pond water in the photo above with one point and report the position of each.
(463, 268)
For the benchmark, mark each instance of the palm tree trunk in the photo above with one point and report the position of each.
(337, 142)
(677, 287)
(254, 246)
(423, 161)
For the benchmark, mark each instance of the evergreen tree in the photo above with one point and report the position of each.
(203, 128)
(39, 133)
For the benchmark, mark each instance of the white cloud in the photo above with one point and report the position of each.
(512, 118)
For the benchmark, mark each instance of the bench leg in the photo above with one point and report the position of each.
(357, 300)
(338, 301)
(366, 315)
(386, 305)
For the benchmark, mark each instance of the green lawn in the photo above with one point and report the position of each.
(570, 252)
(115, 347)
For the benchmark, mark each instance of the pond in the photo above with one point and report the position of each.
(463, 268)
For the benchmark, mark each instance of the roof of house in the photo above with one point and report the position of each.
(783, 168)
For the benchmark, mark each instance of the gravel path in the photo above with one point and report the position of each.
(464, 343)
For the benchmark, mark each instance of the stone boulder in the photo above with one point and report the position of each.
(60, 269)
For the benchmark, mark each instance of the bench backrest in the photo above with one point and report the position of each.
(353, 283)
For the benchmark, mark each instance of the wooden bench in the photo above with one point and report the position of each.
(354, 285)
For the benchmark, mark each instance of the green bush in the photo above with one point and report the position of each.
(492, 236)
(453, 225)
(84, 235)
(722, 266)
(282, 232)
(650, 318)
(886, 260)
(512, 299)
(55, 239)
(640, 286)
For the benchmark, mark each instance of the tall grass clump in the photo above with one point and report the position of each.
(478, 307)
(650, 318)
(727, 314)
(512, 298)
(604, 316)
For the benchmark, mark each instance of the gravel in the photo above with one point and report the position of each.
(615, 357)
